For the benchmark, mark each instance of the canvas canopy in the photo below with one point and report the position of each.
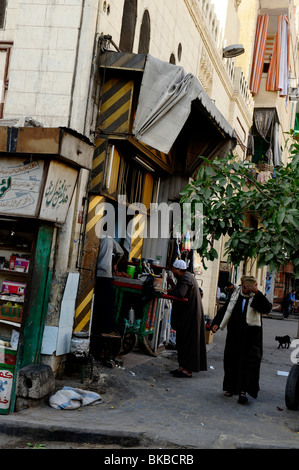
(165, 103)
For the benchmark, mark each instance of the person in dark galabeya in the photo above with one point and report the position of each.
(242, 314)
(187, 319)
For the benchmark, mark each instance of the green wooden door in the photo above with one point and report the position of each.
(38, 297)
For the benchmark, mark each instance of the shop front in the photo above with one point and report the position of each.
(154, 121)
(39, 170)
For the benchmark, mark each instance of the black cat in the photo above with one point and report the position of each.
(284, 341)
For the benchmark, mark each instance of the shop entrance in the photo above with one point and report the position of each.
(17, 241)
(25, 247)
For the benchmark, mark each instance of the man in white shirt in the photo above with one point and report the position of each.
(109, 255)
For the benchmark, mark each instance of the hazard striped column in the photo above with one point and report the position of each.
(89, 260)
(91, 240)
(114, 120)
(116, 106)
(138, 236)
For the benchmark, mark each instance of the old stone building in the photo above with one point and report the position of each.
(74, 72)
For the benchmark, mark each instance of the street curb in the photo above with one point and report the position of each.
(56, 433)
(70, 434)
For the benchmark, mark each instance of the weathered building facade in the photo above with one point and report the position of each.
(273, 73)
(76, 70)
(196, 44)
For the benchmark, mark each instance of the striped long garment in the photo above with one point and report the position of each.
(277, 79)
(259, 53)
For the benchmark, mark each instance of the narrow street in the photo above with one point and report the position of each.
(144, 407)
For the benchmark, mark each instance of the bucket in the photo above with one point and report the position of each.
(131, 271)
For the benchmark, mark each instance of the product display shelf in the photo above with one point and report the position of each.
(16, 248)
(11, 272)
(16, 245)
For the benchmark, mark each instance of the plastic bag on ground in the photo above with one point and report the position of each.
(69, 398)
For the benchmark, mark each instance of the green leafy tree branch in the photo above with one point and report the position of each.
(229, 193)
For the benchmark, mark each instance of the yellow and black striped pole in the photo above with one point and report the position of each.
(116, 106)
(138, 236)
(87, 279)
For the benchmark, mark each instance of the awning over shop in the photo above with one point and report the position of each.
(167, 97)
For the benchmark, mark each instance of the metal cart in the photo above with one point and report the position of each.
(128, 292)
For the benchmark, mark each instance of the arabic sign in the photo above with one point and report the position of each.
(20, 183)
(6, 378)
(58, 191)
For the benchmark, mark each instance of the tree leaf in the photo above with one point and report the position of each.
(281, 215)
(229, 194)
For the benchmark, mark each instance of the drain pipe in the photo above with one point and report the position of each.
(76, 64)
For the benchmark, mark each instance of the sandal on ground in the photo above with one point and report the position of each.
(174, 371)
(182, 374)
(242, 398)
(112, 334)
(228, 394)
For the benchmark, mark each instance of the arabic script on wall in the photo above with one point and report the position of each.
(58, 192)
(20, 182)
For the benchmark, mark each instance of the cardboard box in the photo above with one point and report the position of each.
(8, 356)
(10, 287)
(22, 263)
(13, 314)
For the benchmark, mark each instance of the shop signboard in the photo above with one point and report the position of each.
(23, 180)
(20, 185)
(58, 192)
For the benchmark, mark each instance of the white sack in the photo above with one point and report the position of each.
(72, 398)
